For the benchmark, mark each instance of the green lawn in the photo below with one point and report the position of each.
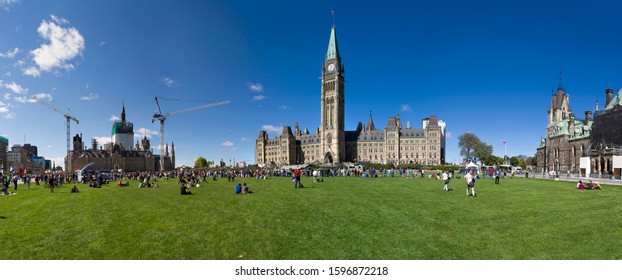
(341, 218)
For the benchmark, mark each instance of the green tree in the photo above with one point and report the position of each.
(200, 162)
(482, 151)
(467, 143)
(513, 161)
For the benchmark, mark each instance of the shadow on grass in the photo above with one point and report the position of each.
(2, 217)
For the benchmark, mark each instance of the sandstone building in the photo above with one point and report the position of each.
(120, 154)
(332, 144)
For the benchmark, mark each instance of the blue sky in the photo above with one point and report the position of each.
(486, 67)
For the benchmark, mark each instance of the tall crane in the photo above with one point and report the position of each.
(68, 117)
(162, 118)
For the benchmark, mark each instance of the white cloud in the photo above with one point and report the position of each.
(169, 82)
(244, 139)
(34, 98)
(114, 118)
(283, 107)
(102, 44)
(7, 96)
(31, 71)
(8, 74)
(90, 97)
(49, 146)
(141, 132)
(227, 144)
(6, 4)
(272, 128)
(406, 108)
(259, 97)
(5, 110)
(101, 140)
(39, 96)
(59, 20)
(21, 99)
(15, 88)
(64, 45)
(448, 135)
(255, 87)
(10, 53)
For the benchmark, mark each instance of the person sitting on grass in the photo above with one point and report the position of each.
(238, 189)
(74, 189)
(245, 189)
(590, 185)
(597, 186)
(580, 186)
(184, 190)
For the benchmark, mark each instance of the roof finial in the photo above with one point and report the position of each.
(332, 12)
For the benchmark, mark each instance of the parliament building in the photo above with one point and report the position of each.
(121, 153)
(591, 147)
(332, 144)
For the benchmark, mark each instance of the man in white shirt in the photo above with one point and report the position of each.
(470, 181)
(445, 180)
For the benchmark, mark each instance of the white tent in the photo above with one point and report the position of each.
(472, 165)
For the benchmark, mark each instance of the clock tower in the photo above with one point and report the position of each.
(333, 104)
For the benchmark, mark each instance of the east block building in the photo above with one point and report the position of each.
(332, 144)
(589, 146)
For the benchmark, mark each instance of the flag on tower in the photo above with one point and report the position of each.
(332, 12)
(504, 141)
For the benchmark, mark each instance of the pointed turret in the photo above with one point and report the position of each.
(123, 113)
(333, 48)
(370, 123)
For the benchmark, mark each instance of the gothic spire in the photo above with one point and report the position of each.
(123, 113)
(370, 123)
(333, 49)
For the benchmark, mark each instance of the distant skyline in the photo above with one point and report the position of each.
(484, 67)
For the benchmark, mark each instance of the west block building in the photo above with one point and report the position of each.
(332, 144)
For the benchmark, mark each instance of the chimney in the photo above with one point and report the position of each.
(588, 116)
(571, 124)
(609, 96)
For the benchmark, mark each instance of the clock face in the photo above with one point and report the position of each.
(331, 67)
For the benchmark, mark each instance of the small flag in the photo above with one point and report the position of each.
(332, 12)
(504, 142)
(11, 169)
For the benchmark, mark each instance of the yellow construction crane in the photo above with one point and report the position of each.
(162, 118)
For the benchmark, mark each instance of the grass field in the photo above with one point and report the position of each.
(341, 218)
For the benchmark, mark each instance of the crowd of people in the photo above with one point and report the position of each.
(189, 178)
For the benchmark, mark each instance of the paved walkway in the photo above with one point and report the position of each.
(583, 179)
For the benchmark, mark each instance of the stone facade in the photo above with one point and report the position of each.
(568, 139)
(120, 154)
(332, 144)
(606, 142)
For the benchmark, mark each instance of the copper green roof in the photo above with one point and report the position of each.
(616, 101)
(581, 130)
(333, 49)
(119, 127)
(4, 140)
